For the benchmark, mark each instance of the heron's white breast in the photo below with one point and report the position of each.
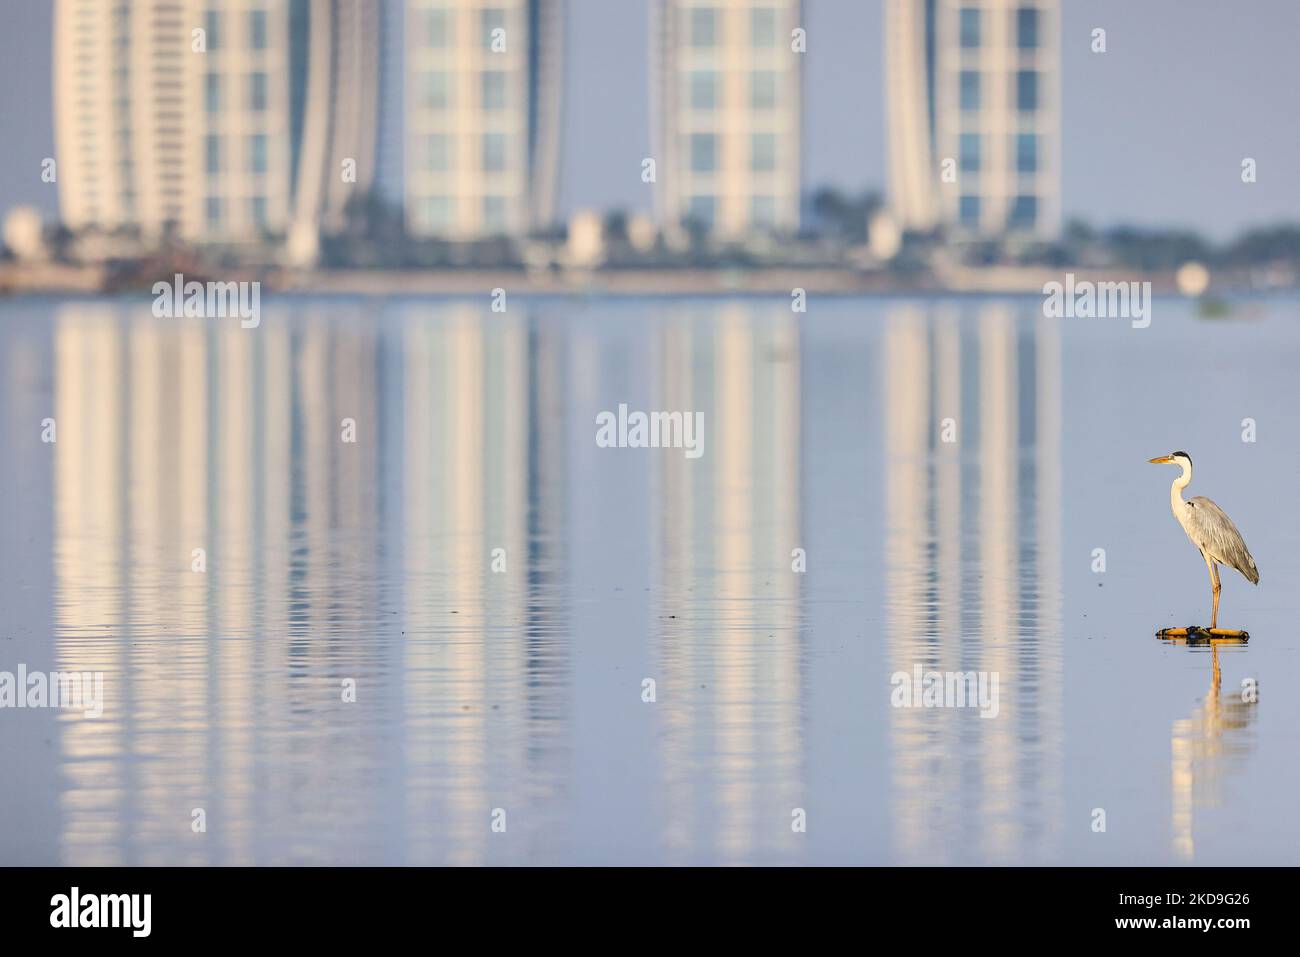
(1183, 512)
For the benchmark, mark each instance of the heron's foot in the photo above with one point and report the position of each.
(1200, 631)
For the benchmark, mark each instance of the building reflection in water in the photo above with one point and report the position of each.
(323, 560)
(482, 474)
(373, 561)
(1206, 748)
(972, 538)
(732, 734)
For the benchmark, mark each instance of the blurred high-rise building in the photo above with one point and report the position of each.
(227, 122)
(390, 158)
(482, 116)
(973, 91)
(727, 114)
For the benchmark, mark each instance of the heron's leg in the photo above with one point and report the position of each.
(1214, 577)
(1214, 587)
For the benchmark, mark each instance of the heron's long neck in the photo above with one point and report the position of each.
(1180, 483)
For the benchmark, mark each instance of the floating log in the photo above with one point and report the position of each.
(1197, 634)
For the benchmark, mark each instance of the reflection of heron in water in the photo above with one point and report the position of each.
(1210, 530)
(1203, 748)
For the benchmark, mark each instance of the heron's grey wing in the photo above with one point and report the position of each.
(1216, 533)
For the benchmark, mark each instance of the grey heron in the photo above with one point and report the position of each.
(1209, 528)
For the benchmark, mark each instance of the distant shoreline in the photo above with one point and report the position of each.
(56, 278)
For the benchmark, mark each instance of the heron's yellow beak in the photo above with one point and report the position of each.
(1160, 461)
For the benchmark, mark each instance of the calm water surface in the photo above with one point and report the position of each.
(521, 688)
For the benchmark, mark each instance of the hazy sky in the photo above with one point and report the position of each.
(1154, 130)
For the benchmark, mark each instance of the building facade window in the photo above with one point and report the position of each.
(212, 29)
(493, 19)
(494, 214)
(257, 153)
(1026, 91)
(969, 28)
(762, 87)
(257, 29)
(968, 211)
(257, 92)
(762, 211)
(435, 212)
(437, 153)
(700, 210)
(494, 152)
(212, 153)
(762, 152)
(704, 90)
(968, 147)
(1026, 153)
(212, 92)
(1027, 28)
(704, 148)
(1024, 212)
(433, 28)
(763, 28)
(970, 90)
(494, 90)
(434, 91)
(703, 27)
